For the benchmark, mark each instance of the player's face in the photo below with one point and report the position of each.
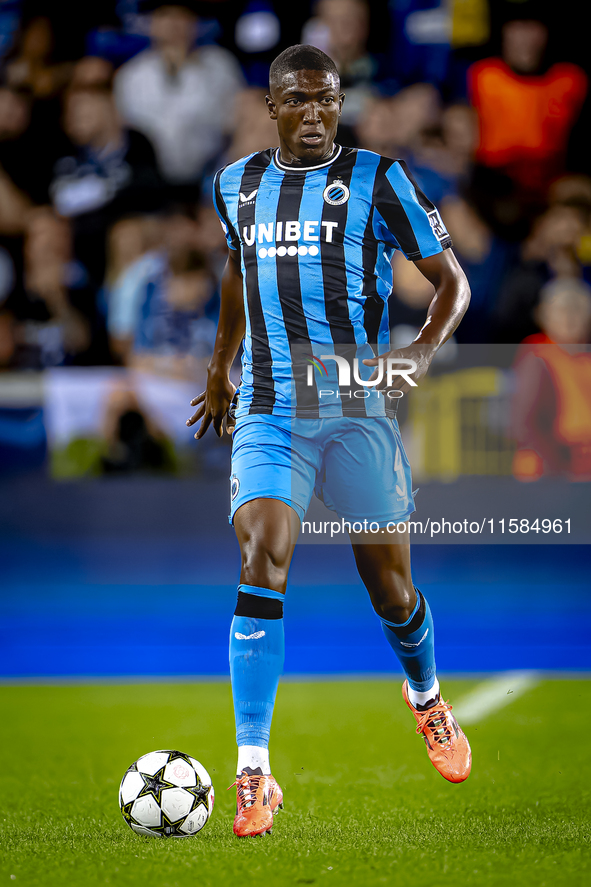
(307, 107)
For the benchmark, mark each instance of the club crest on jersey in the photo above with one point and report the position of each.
(337, 193)
(234, 486)
(437, 225)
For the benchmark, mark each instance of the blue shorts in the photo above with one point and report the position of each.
(357, 467)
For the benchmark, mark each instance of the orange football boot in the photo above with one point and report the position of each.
(448, 748)
(257, 799)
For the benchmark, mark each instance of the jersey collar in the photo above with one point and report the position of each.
(285, 168)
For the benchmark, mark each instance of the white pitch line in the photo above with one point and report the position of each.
(490, 696)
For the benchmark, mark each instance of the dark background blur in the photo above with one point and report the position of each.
(114, 117)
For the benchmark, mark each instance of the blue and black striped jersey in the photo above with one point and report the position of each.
(316, 246)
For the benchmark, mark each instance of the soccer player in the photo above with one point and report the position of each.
(311, 229)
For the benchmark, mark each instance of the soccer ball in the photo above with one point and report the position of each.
(166, 794)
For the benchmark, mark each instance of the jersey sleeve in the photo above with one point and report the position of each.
(221, 209)
(403, 216)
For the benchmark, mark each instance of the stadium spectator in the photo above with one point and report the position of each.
(13, 206)
(571, 190)
(14, 120)
(177, 324)
(6, 326)
(127, 241)
(551, 411)
(549, 251)
(526, 112)
(563, 314)
(375, 129)
(341, 29)
(112, 172)
(443, 159)
(211, 240)
(141, 250)
(180, 97)
(31, 65)
(55, 320)
(7, 275)
(92, 70)
(28, 151)
(395, 125)
(485, 259)
(7, 343)
(254, 129)
(420, 37)
(134, 441)
(409, 301)
(136, 257)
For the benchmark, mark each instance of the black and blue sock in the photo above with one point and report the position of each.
(257, 653)
(413, 643)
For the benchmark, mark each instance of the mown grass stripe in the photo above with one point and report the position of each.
(489, 696)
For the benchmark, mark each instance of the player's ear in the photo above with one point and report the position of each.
(272, 107)
(341, 102)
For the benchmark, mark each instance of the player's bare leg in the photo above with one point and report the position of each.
(267, 531)
(408, 626)
(386, 573)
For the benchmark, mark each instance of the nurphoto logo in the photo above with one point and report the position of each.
(389, 368)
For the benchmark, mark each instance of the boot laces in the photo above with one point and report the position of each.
(246, 788)
(436, 721)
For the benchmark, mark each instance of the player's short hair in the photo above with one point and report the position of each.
(301, 57)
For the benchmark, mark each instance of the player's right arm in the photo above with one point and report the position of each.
(213, 403)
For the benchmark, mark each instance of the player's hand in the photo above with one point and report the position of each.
(422, 355)
(213, 404)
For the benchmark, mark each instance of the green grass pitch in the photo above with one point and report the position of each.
(363, 805)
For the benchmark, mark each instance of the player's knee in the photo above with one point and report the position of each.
(396, 606)
(264, 567)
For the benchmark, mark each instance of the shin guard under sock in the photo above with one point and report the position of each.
(256, 661)
(413, 644)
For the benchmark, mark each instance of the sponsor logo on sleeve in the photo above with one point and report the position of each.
(437, 225)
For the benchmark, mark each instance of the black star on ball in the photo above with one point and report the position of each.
(154, 785)
(200, 792)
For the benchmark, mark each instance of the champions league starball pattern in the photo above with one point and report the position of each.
(166, 794)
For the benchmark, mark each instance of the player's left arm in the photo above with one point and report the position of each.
(406, 219)
(451, 299)
(447, 307)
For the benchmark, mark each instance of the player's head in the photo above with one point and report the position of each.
(305, 101)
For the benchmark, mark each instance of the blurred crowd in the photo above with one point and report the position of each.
(114, 118)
